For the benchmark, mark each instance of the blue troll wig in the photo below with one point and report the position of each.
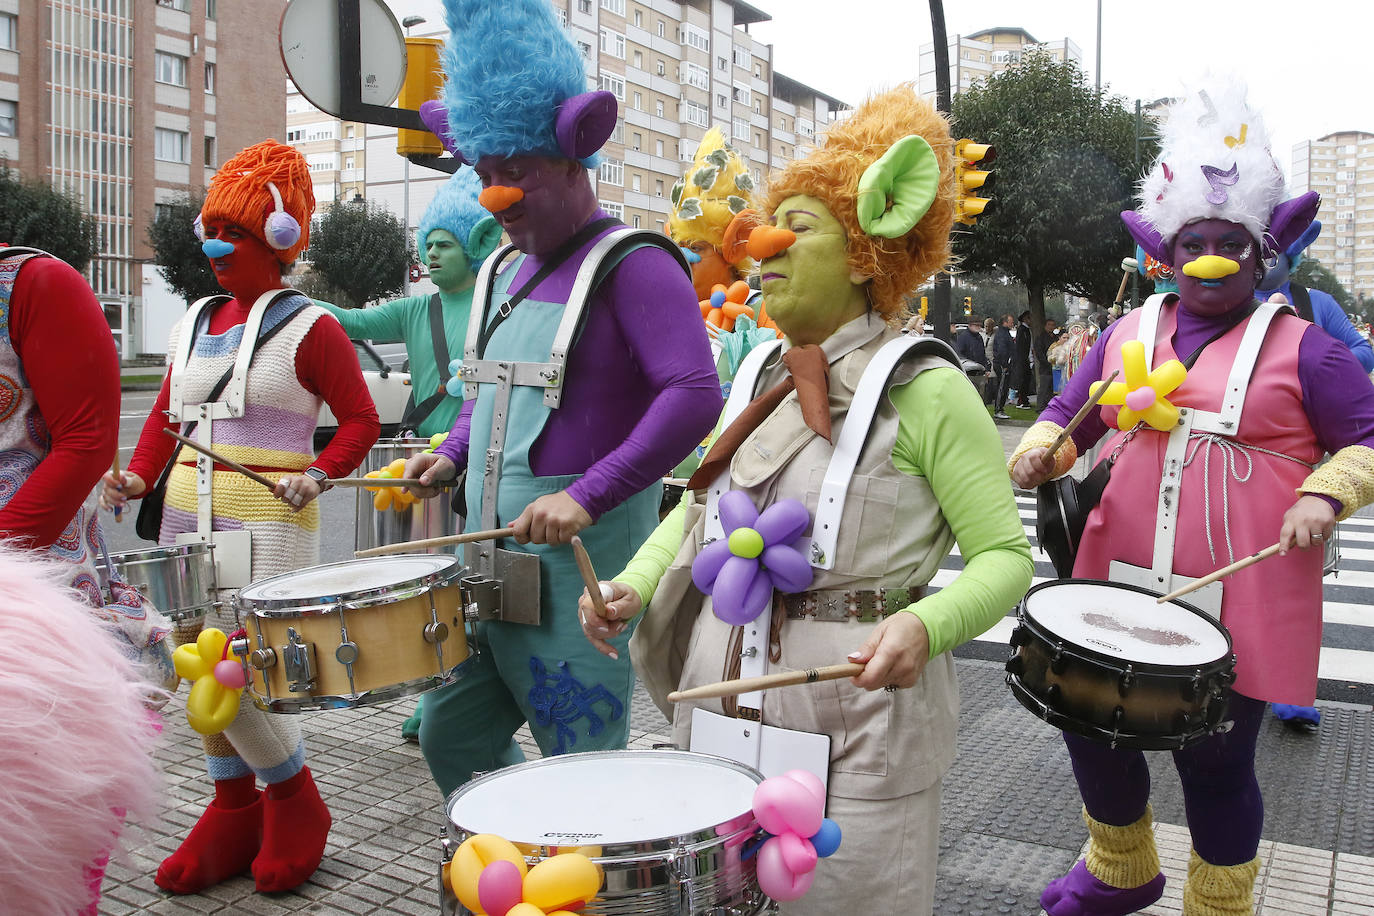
(455, 208)
(517, 84)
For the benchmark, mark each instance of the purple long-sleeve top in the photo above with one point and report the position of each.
(1336, 393)
(641, 389)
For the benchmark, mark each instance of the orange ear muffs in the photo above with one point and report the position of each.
(498, 197)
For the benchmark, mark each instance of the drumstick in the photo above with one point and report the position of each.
(1208, 579)
(1121, 293)
(1082, 413)
(589, 579)
(220, 459)
(409, 546)
(383, 482)
(114, 469)
(781, 679)
(675, 481)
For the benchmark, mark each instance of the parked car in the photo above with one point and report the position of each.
(388, 382)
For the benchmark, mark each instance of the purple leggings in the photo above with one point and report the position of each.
(1220, 793)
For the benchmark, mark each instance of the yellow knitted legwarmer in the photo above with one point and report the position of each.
(1348, 477)
(1042, 435)
(1219, 890)
(1123, 857)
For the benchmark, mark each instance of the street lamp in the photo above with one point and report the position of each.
(408, 22)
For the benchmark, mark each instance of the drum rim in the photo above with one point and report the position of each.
(642, 849)
(451, 571)
(321, 702)
(146, 554)
(1026, 617)
(1136, 741)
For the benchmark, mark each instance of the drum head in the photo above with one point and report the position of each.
(1125, 623)
(605, 798)
(353, 580)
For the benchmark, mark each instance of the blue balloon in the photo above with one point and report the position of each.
(454, 387)
(455, 366)
(827, 839)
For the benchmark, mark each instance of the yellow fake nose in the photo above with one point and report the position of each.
(1210, 267)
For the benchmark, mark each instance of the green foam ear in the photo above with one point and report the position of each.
(483, 239)
(898, 189)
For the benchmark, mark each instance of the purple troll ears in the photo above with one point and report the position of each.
(1145, 235)
(1291, 218)
(434, 114)
(584, 123)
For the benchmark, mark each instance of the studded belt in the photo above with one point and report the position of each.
(840, 604)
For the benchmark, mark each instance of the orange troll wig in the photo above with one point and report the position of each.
(899, 265)
(239, 193)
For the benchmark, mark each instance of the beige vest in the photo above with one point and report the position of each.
(892, 533)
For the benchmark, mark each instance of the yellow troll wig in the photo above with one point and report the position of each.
(716, 187)
(833, 174)
(239, 193)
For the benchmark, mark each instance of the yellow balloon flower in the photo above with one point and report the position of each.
(211, 705)
(1144, 395)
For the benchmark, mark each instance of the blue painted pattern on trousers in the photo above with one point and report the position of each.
(562, 700)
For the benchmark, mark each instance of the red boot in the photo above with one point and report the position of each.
(223, 842)
(295, 826)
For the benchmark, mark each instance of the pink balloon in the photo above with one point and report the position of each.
(230, 673)
(737, 511)
(733, 588)
(1141, 398)
(797, 853)
(790, 570)
(776, 879)
(813, 784)
(782, 522)
(783, 804)
(706, 567)
(499, 887)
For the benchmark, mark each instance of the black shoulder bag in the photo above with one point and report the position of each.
(148, 524)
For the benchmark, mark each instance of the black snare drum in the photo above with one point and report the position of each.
(1106, 661)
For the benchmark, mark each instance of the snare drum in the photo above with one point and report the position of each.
(424, 518)
(354, 633)
(1105, 661)
(179, 581)
(672, 831)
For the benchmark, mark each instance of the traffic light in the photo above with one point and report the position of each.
(968, 306)
(971, 180)
(424, 81)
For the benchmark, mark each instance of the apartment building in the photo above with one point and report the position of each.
(677, 68)
(128, 103)
(982, 54)
(1340, 167)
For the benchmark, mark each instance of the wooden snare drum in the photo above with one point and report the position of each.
(354, 633)
(1105, 661)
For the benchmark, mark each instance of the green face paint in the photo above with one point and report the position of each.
(447, 262)
(808, 288)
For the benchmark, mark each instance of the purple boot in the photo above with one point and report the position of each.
(1080, 893)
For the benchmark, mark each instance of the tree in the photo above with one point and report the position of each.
(1065, 169)
(34, 214)
(176, 250)
(1313, 274)
(360, 250)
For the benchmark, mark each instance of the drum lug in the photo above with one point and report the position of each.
(299, 658)
(1016, 665)
(1126, 680)
(346, 653)
(1020, 636)
(262, 659)
(1058, 663)
(436, 632)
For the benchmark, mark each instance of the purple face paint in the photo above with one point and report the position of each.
(557, 199)
(1215, 296)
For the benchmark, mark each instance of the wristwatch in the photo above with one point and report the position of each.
(320, 477)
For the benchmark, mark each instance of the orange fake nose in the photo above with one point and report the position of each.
(768, 241)
(749, 236)
(498, 197)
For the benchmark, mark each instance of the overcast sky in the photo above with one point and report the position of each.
(1317, 84)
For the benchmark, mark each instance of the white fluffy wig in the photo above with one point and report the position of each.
(75, 741)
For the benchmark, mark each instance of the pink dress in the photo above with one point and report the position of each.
(1234, 489)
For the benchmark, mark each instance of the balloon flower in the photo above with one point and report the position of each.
(454, 385)
(391, 497)
(217, 681)
(758, 554)
(1143, 396)
(792, 808)
(489, 876)
(725, 305)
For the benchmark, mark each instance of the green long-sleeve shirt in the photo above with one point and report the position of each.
(407, 321)
(944, 435)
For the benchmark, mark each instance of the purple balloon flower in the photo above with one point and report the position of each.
(759, 554)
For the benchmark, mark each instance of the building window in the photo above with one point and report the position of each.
(615, 6)
(697, 76)
(758, 70)
(584, 6)
(635, 218)
(613, 43)
(614, 84)
(612, 209)
(639, 101)
(170, 145)
(659, 224)
(169, 68)
(210, 9)
(742, 94)
(211, 159)
(695, 37)
(562, 15)
(612, 171)
(697, 114)
(209, 78)
(636, 139)
(722, 64)
(183, 5)
(661, 28)
(639, 61)
(9, 118)
(9, 25)
(740, 129)
(658, 107)
(635, 180)
(585, 48)
(758, 139)
(722, 100)
(662, 68)
(618, 134)
(741, 57)
(639, 18)
(658, 187)
(658, 147)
